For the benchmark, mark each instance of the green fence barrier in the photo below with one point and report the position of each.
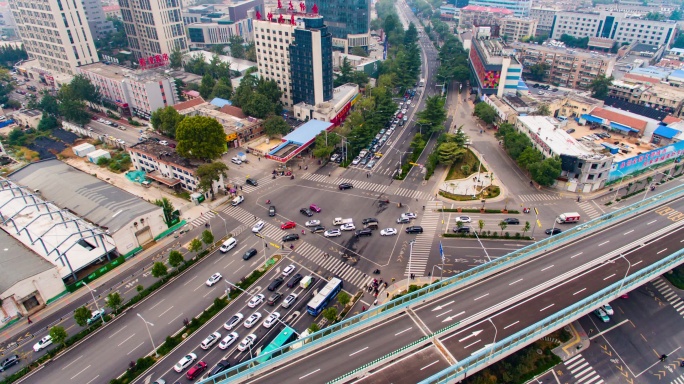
(170, 230)
(101, 271)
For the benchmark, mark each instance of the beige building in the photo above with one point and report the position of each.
(574, 105)
(153, 27)
(572, 68)
(650, 94)
(56, 33)
(28, 118)
(474, 15)
(544, 17)
(515, 28)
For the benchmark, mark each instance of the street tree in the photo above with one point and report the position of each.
(49, 105)
(237, 47)
(114, 301)
(210, 173)
(83, 89)
(485, 112)
(207, 237)
(167, 208)
(343, 298)
(258, 106)
(200, 137)
(176, 258)
(159, 269)
(74, 110)
(529, 155)
(330, 314)
(176, 59)
(195, 245)
(503, 226)
(165, 121)
(58, 334)
(481, 224)
(433, 115)
(538, 71)
(222, 89)
(313, 328)
(450, 152)
(324, 148)
(543, 110)
(81, 316)
(47, 123)
(526, 227)
(275, 126)
(358, 51)
(600, 86)
(546, 172)
(207, 85)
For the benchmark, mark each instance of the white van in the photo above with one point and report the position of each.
(228, 245)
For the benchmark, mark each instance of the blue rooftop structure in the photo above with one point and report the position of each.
(666, 132)
(298, 140)
(219, 102)
(652, 71)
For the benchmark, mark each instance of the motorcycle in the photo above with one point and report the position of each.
(376, 272)
(268, 201)
(526, 210)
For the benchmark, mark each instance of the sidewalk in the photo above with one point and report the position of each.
(578, 343)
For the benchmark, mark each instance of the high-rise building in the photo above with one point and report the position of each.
(494, 66)
(520, 8)
(297, 55)
(97, 20)
(7, 24)
(153, 27)
(56, 33)
(348, 21)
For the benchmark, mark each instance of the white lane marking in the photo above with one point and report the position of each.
(359, 351)
(95, 378)
(163, 313)
(308, 374)
(473, 343)
(550, 266)
(581, 290)
(405, 330)
(114, 334)
(83, 370)
(443, 313)
(627, 233)
(429, 365)
(189, 281)
(608, 277)
(651, 222)
(637, 263)
(136, 347)
(572, 257)
(176, 318)
(160, 301)
(511, 324)
(128, 338)
(517, 281)
(75, 360)
(478, 298)
(605, 242)
(661, 251)
(547, 307)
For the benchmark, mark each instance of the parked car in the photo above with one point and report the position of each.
(312, 223)
(288, 225)
(511, 221)
(608, 309)
(364, 232)
(290, 237)
(315, 208)
(332, 233)
(8, 362)
(306, 212)
(235, 160)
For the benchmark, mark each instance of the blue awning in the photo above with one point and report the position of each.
(666, 132)
(622, 127)
(592, 119)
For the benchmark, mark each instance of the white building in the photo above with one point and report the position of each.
(140, 91)
(332, 111)
(544, 17)
(7, 24)
(153, 27)
(97, 20)
(520, 8)
(239, 65)
(56, 33)
(613, 25)
(202, 35)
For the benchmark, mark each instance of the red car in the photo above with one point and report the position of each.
(196, 371)
(315, 208)
(288, 225)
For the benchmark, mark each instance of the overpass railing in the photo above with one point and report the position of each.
(534, 332)
(372, 316)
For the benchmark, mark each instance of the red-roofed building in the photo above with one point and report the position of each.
(671, 119)
(474, 15)
(113, 11)
(617, 121)
(233, 111)
(188, 106)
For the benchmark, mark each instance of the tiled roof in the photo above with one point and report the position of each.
(671, 119)
(619, 118)
(188, 104)
(641, 78)
(233, 111)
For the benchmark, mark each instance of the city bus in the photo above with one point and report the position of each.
(323, 297)
(287, 335)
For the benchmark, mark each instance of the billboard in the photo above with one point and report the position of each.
(645, 160)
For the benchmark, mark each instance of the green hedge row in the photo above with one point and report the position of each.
(489, 235)
(470, 210)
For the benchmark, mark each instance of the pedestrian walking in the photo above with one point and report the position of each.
(579, 198)
(393, 279)
(363, 309)
(29, 320)
(259, 158)
(254, 218)
(387, 294)
(241, 187)
(328, 174)
(375, 302)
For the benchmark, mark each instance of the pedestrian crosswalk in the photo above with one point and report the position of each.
(202, 219)
(318, 178)
(246, 188)
(269, 231)
(420, 252)
(538, 197)
(678, 380)
(333, 265)
(582, 371)
(412, 193)
(368, 185)
(590, 209)
(671, 296)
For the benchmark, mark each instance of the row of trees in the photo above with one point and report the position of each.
(454, 60)
(520, 148)
(10, 55)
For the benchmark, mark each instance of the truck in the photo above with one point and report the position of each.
(340, 221)
(568, 217)
(306, 281)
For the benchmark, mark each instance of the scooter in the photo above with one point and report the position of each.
(376, 272)
(526, 210)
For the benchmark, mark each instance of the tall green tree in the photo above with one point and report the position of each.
(176, 258)
(546, 172)
(195, 245)
(167, 208)
(49, 105)
(58, 334)
(200, 137)
(258, 106)
(176, 59)
(434, 115)
(207, 85)
(600, 86)
(207, 237)
(165, 120)
(485, 112)
(276, 125)
(47, 123)
(210, 173)
(222, 89)
(538, 71)
(81, 316)
(159, 270)
(114, 301)
(450, 152)
(237, 47)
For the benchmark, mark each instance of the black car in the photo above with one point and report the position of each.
(294, 280)
(272, 210)
(318, 228)
(220, 367)
(252, 182)
(363, 232)
(275, 284)
(554, 230)
(462, 230)
(511, 220)
(290, 237)
(535, 86)
(274, 298)
(306, 212)
(249, 254)
(346, 186)
(369, 220)
(8, 362)
(414, 229)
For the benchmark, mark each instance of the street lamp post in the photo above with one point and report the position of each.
(491, 350)
(147, 324)
(536, 218)
(433, 273)
(400, 156)
(482, 245)
(408, 281)
(225, 225)
(259, 235)
(620, 182)
(553, 228)
(95, 301)
(629, 265)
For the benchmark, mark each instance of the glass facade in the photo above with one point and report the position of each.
(348, 17)
(302, 57)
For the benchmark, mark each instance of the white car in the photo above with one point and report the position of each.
(356, 160)
(164, 142)
(404, 111)
(608, 309)
(332, 233)
(288, 270)
(271, 319)
(408, 102)
(463, 219)
(388, 232)
(210, 341)
(108, 122)
(237, 200)
(256, 300)
(235, 160)
(252, 319)
(42, 343)
(214, 279)
(348, 227)
(291, 298)
(185, 362)
(228, 340)
(410, 215)
(312, 223)
(258, 226)
(233, 321)
(101, 120)
(247, 342)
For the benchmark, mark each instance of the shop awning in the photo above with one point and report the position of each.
(592, 119)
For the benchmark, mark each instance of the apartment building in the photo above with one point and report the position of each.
(153, 27)
(138, 92)
(572, 68)
(544, 17)
(97, 20)
(56, 33)
(662, 97)
(520, 8)
(474, 15)
(613, 25)
(204, 35)
(515, 28)
(495, 68)
(297, 55)
(7, 24)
